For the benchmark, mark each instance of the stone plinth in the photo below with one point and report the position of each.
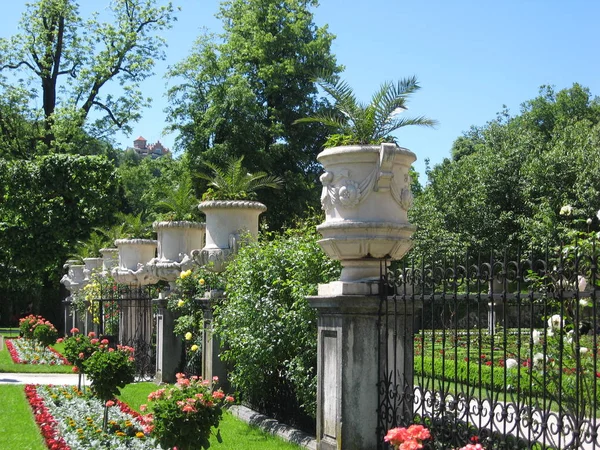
(168, 345)
(352, 354)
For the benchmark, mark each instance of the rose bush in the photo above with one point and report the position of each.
(184, 414)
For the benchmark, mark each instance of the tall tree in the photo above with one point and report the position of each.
(507, 180)
(242, 91)
(71, 61)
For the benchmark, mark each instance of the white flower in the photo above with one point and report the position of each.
(566, 210)
(535, 336)
(589, 221)
(555, 321)
(584, 302)
(598, 214)
(581, 283)
(583, 350)
(511, 363)
(538, 360)
(570, 337)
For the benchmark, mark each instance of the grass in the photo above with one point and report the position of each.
(8, 366)
(18, 428)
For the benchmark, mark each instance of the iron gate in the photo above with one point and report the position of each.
(126, 316)
(503, 351)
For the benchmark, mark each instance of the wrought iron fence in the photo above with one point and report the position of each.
(504, 350)
(125, 315)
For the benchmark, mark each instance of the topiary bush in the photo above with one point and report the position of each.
(266, 325)
(45, 334)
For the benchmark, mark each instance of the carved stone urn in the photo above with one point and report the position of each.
(74, 279)
(176, 240)
(91, 264)
(226, 220)
(110, 258)
(366, 195)
(133, 256)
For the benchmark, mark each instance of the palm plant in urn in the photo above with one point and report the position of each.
(230, 208)
(366, 183)
(178, 232)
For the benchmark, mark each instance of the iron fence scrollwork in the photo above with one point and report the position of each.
(504, 350)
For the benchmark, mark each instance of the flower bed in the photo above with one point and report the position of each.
(27, 351)
(70, 420)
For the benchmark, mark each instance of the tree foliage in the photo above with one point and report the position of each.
(69, 62)
(507, 180)
(46, 206)
(238, 94)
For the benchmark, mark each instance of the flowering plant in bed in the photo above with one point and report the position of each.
(413, 438)
(26, 351)
(27, 326)
(185, 413)
(69, 419)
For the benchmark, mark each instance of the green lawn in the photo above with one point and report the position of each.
(19, 431)
(17, 427)
(8, 366)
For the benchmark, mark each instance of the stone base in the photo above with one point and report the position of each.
(350, 365)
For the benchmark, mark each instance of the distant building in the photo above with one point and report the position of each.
(142, 148)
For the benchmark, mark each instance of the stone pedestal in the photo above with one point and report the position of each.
(354, 358)
(168, 345)
(212, 366)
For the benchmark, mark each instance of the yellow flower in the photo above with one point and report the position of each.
(139, 435)
(194, 348)
(180, 303)
(185, 274)
(188, 336)
(201, 281)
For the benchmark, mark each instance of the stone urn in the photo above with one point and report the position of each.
(74, 279)
(133, 256)
(91, 265)
(226, 221)
(366, 195)
(176, 240)
(110, 259)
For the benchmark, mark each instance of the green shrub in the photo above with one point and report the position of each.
(267, 327)
(79, 347)
(109, 370)
(45, 334)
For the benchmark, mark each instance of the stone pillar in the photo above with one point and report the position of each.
(168, 345)
(354, 356)
(211, 363)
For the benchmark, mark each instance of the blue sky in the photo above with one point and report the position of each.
(471, 57)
